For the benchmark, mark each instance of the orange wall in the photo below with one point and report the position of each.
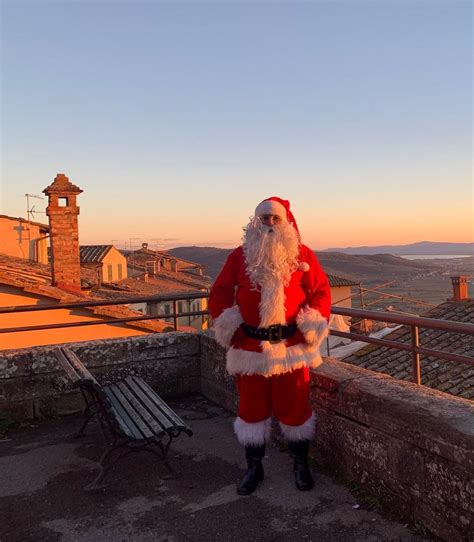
(340, 296)
(11, 296)
(114, 258)
(17, 238)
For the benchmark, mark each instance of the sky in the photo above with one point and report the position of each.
(177, 118)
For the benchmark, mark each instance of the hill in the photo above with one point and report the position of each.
(367, 269)
(412, 280)
(422, 248)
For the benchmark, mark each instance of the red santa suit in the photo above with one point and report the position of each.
(272, 377)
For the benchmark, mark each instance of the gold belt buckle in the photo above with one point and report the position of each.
(274, 334)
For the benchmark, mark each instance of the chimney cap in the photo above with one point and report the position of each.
(62, 185)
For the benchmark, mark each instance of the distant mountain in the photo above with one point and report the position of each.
(367, 269)
(423, 248)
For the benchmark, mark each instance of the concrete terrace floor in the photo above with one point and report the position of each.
(43, 472)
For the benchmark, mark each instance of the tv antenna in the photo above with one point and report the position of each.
(157, 243)
(30, 211)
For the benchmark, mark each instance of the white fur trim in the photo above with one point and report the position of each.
(271, 207)
(303, 266)
(305, 431)
(226, 324)
(274, 360)
(272, 303)
(253, 434)
(313, 325)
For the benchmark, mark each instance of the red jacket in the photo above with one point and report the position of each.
(306, 300)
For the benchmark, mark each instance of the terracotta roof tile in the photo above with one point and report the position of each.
(336, 281)
(448, 376)
(93, 253)
(35, 278)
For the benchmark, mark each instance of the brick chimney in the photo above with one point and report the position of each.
(460, 291)
(63, 211)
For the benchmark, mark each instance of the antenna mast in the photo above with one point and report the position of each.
(30, 211)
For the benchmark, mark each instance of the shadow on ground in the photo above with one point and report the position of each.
(43, 473)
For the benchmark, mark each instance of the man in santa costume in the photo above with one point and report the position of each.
(270, 306)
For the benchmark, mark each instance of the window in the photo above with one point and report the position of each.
(180, 307)
(167, 309)
(119, 269)
(109, 272)
(63, 202)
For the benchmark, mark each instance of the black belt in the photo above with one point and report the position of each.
(274, 334)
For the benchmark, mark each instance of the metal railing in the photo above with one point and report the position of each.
(414, 323)
(175, 314)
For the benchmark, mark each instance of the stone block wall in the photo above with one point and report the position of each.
(216, 384)
(410, 446)
(33, 385)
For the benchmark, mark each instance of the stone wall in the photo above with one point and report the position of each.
(410, 447)
(33, 385)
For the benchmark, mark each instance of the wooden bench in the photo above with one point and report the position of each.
(132, 417)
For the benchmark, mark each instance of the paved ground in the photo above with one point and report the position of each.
(43, 471)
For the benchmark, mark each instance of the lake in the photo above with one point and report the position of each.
(434, 256)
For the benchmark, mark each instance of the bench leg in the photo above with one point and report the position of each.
(105, 464)
(88, 413)
(164, 457)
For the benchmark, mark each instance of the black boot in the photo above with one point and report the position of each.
(299, 452)
(254, 474)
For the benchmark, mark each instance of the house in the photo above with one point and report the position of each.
(164, 273)
(24, 239)
(451, 377)
(152, 286)
(341, 296)
(27, 282)
(157, 261)
(23, 282)
(341, 290)
(109, 263)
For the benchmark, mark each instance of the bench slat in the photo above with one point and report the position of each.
(128, 425)
(175, 420)
(151, 406)
(153, 425)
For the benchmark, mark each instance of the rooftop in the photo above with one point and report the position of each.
(93, 253)
(335, 281)
(35, 278)
(130, 286)
(451, 377)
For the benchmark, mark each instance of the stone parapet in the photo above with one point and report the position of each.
(410, 446)
(33, 385)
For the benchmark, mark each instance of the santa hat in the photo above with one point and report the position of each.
(279, 207)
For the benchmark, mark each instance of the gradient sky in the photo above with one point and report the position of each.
(177, 118)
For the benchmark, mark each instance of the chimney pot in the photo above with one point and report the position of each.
(460, 291)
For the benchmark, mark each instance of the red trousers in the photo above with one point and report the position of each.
(286, 396)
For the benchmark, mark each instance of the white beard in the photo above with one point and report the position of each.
(271, 256)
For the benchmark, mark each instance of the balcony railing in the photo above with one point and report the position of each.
(414, 322)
